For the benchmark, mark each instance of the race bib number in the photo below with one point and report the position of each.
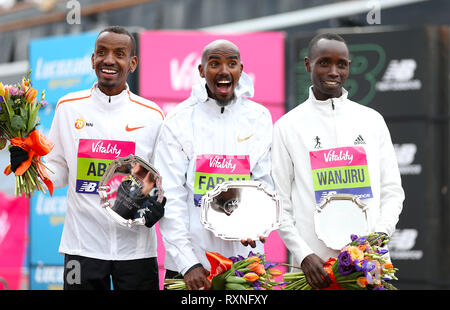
(215, 169)
(340, 171)
(93, 158)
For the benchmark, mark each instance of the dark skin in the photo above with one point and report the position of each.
(221, 67)
(112, 61)
(329, 65)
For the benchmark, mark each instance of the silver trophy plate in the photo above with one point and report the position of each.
(120, 189)
(338, 217)
(238, 210)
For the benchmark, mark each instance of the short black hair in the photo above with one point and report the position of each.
(122, 30)
(328, 36)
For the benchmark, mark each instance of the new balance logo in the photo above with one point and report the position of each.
(87, 187)
(359, 140)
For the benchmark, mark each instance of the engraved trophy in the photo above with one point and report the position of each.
(236, 210)
(337, 217)
(120, 189)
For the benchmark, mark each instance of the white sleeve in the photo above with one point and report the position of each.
(262, 169)
(56, 160)
(391, 191)
(283, 176)
(172, 163)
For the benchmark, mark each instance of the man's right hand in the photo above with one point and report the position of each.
(196, 279)
(317, 277)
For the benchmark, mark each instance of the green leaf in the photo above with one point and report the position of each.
(17, 123)
(218, 282)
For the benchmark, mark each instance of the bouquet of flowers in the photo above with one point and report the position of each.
(361, 265)
(19, 118)
(236, 273)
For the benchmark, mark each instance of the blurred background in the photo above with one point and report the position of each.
(400, 67)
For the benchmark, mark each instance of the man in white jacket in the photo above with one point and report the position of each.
(217, 122)
(328, 123)
(90, 129)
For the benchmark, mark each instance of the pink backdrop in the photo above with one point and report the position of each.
(168, 69)
(13, 240)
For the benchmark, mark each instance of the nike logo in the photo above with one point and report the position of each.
(239, 139)
(133, 128)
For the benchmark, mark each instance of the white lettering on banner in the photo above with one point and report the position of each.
(399, 76)
(99, 148)
(63, 68)
(401, 244)
(184, 75)
(4, 225)
(332, 156)
(217, 162)
(49, 274)
(406, 153)
(50, 205)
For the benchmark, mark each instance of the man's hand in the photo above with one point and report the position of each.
(252, 242)
(17, 157)
(145, 177)
(315, 274)
(196, 279)
(155, 211)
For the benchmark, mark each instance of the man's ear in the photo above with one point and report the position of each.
(201, 71)
(133, 63)
(307, 65)
(92, 61)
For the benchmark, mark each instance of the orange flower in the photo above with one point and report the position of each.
(388, 266)
(356, 253)
(362, 281)
(275, 272)
(253, 258)
(30, 95)
(251, 277)
(25, 85)
(253, 266)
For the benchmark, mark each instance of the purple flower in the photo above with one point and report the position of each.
(353, 237)
(13, 91)
(345, 258)
(238, 273)
(378, 288)
(256, 284)
(268, 265)
(346, 270)
(44, 103)
(381, 251)
(235, 259)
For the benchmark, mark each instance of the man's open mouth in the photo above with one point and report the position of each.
(223, 86)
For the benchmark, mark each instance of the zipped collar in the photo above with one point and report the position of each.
(331, 103)
(109, 102)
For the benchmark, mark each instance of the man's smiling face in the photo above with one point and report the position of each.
(112, 61)
(329, 67)
(222, 68)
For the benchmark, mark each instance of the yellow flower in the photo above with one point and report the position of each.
(355, 253)
(2, 89)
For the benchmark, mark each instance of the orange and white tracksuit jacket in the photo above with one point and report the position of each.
(90, 129)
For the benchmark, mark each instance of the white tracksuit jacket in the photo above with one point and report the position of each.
(337, 122)
(102, 125)
(198, 127)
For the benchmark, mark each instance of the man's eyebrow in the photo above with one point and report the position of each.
(217, 57)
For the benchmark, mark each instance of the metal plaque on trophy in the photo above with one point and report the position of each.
(120, 189)
(236, 210)
(339, 216)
